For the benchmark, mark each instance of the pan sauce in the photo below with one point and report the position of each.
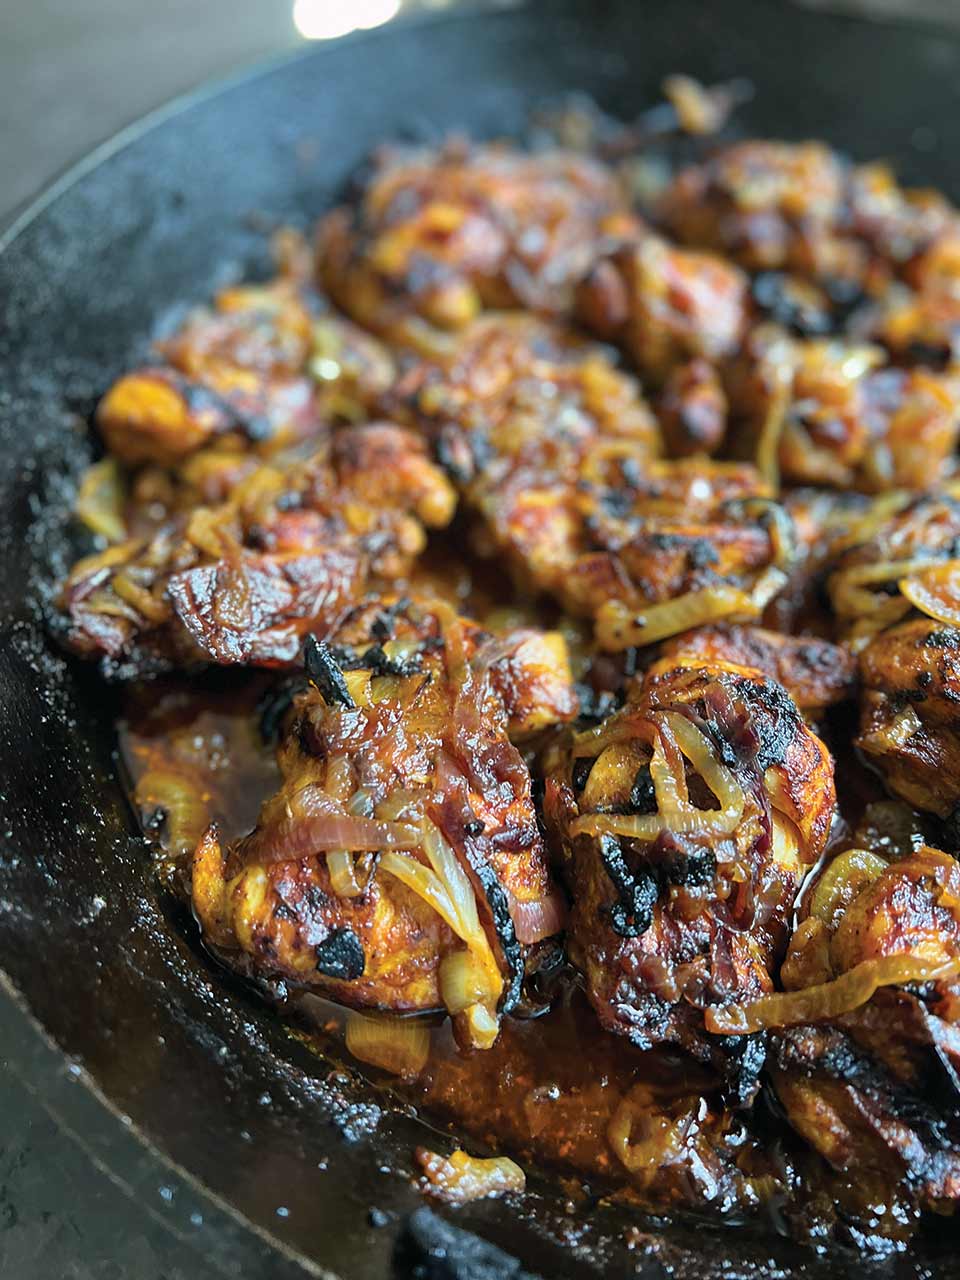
(553, 1084)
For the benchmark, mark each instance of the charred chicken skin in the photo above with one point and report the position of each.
(686, 822)
(400, 866)
(909, 723)
(802, 207)
(815, 673)
(665, 305)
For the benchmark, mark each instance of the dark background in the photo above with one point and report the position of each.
(73, 72)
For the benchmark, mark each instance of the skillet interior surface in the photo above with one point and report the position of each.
(186, 1058)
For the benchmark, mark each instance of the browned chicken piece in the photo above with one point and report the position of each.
(258, 373)
(910, 712)
(919, 329)
(289, 552)
(768, 205)
(822, 521)
(827, 412)
(865, 1051)
(897, 555)
(692, 410)
(436, 235)
(875, 1095)
(911, 232)
(667, 546)
(686, 822)
(665, 305)
(400, 866)
(552, 448)
(816, 673)
(801, 207)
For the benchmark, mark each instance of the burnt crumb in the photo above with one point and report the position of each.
(474, 827)
(581, 772)
(928, 354)
(275, 703)
(455, 456)
(632, 473)
(324, 673)
(632, 914)
(381, 664)
(643, 796)
(153, 821)
(616, 503)
(700, 554)
(669, 542)
(925, 679)
(743, 1062)
(949, 831)
(340, 955)
(382, 627)
(685, 866)
(790, 305)
(949, 638)
(595, 705)
(384, 624)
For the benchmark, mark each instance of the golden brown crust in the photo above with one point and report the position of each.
(288, 552)
(435, 236)
(402, 741)
(678, 906)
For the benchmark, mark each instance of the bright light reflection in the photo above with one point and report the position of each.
(327, 19)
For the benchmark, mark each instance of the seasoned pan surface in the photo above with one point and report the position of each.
(201, 1071)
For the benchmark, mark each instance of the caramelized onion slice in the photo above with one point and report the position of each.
(841, 883)
(460, 1178)
(538, 919)
(325, 832)
(936, 592)
(680, 817)
(470, 981)
(828, 1000)
(398, 1045)
(101, 499)
(619, 627)
(343, 877)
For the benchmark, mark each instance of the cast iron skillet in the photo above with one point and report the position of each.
(180, 1082)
